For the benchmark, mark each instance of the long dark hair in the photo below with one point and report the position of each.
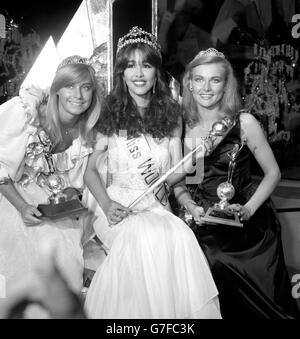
(120, 112)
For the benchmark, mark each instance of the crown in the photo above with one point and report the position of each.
(211, 52)
(136, 35)
(73, 59)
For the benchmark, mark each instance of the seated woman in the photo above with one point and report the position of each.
(43, 139)
(155, 267)
(247, 262)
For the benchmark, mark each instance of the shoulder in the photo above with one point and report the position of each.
(190, 130)
(177, 133)
(248, 121)
(250, 128)
(101, 142)
(247, 118)
(21, 112)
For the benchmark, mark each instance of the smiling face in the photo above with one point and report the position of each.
(75, 98)
(208, 83)
(139, 76)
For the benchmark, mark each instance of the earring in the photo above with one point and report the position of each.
(153, 87)
(191, 87)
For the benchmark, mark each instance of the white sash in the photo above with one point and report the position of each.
(139, 151)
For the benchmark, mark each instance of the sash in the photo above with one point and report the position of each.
(139, 152)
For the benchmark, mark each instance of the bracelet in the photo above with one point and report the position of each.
(248, 209)
(189, 201)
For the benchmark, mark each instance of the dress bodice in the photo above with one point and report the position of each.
(123, 172)
(69, 164)
(216, 167)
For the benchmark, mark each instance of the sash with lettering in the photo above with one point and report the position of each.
(138, 150)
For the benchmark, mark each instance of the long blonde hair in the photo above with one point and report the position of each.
(72, 73)
(230, 103)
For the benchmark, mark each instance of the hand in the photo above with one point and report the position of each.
(244, 212)
(30, 215)
(116, 212)
(196, 211)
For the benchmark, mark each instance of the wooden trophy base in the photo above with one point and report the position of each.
(217, 216)
(66, 209)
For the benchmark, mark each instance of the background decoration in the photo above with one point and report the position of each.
(2, 26)
(43, 70)
(265, 80)
(17, 54)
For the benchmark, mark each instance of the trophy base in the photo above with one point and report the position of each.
(67, 209)
(217, 216)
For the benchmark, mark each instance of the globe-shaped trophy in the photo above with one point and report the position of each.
(63, 201)
(218, 214)
(56, 184)
(225, 192)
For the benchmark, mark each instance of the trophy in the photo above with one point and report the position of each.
(64, 201)
(225, 191)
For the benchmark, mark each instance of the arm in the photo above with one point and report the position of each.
(180, 190)
(29, 213)
(114, 211)
(260, 148)
(14, 116)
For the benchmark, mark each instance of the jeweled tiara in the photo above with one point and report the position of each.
(136, 35)
(73, 59)
(210, 52)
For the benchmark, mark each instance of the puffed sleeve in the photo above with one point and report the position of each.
(102, 161)
(16, 124)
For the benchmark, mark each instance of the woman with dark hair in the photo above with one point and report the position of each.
(45, 140)
(155, 267)
(247, 262)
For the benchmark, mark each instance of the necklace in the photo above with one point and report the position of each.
(69, 131)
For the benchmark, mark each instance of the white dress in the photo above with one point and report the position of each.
(155, 267)
(20, 245)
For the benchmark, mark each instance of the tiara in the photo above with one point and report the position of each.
(73, 59)
(136, 35)
(210, 52)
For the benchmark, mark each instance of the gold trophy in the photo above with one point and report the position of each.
(225, 191)
(63, 201)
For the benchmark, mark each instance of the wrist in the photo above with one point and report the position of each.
(189, 204)
(105, 205)
(22, 207)
(249, 210)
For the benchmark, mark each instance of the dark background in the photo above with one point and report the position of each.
(46, 18)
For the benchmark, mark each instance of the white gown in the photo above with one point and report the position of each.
(155, 267)
(20, 245)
